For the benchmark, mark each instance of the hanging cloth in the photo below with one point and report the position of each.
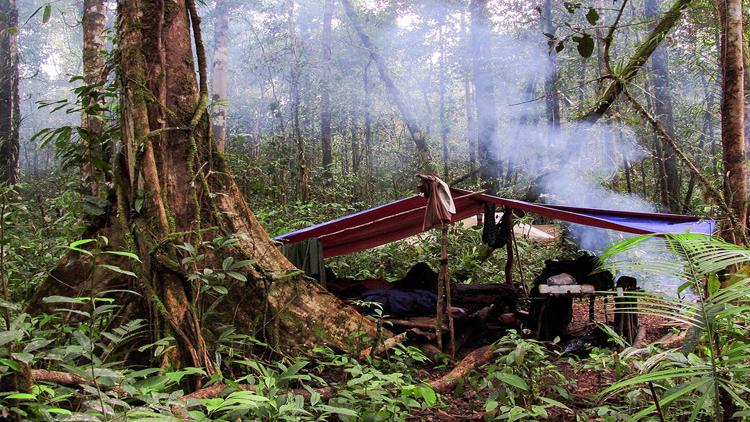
(494, 234)
(307, 255)
(440, 205)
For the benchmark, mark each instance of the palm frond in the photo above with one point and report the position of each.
(718, 315)
(681, 255)
(661, 375)
(673, 395)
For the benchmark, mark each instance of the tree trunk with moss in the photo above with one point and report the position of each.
(552, 74)
(326, 141)
(9, 102)
(732, 113)
(747, 75)
(93, 23)
(220, 76)
(172, 188)
(303, 182)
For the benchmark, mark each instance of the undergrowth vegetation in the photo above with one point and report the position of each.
(68, 363)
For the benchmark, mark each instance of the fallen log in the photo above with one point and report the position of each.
(469, 363)
(216, 390)
(75, 380)
(387, 345)
(416, 322)
(68, 379)
(672, 340)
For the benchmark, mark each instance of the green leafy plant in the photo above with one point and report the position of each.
(707, 377)
(516, 381)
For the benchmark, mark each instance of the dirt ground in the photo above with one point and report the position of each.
(468, 405)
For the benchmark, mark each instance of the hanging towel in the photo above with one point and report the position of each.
(307, 255)
(440, 205)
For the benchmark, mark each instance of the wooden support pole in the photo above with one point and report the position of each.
(440, 293)
(626, 318)
(445, 280)
(444, 296)
(508, 222)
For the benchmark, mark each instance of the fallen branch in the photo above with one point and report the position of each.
(387, 345)
(469, 363)
(68, 379)
(75, 380)
(670, 18)
(426, 324)
(672, 340)
(216, 390)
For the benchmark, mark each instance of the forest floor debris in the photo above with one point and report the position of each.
(464, 404)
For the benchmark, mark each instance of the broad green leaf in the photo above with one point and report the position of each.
(81, 242)
(130, 255)
(21, 396)
(9, 305)
(47, 13)
(36, 344)
(337, 410)
(585, 45)
(553, 402)
(9, 363)
(428, 394)
(118, 270)
(10, 336)
(58, 411)
(512, 379)
(490, 405)
(23, 357)
(106, 372)
(713, 284)
(237, 276)
(592, 16)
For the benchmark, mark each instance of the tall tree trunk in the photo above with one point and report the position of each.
(442, 88)
(732, 113)
(168, 157)
(471, 130)
(581, 89)
(481, 54)
(325, 95)
(368, 121)
(9, 102)
(354, 136)
(220, 76)
(552, 96)
(663, 110)
(747, 74)
(395, 95)
(601, 60)
(294, 104)
(93, 23)
(707, 136)
(469, 102)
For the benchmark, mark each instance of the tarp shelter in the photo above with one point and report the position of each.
(403, 218)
